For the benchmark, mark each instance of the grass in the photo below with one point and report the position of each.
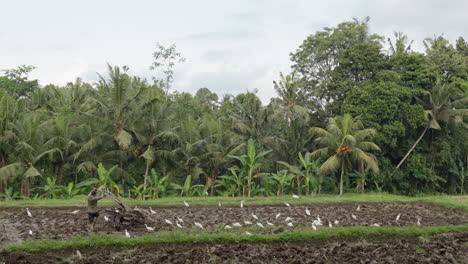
(80, 201)
(224, 237)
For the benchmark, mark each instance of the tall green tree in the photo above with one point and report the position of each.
(345, 142)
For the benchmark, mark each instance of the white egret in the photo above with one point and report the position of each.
(186, 204)
(127, 234)
(260, 225)
(318, 219)
(198, 225)
(219, 204)
(78, 253)
(277, 215)
(295, 196)
(376, 225)
(248, 233)
(254, 216)
(149, 228)
(397, 217)
(30, 232)
(317, 223)
(180, 219)
(330, 224)
(168, 221)
(178, 225)
(287, 204)
(358, 208)
(307, 211)
(242, 204)
(336, 222)
(247, 222)
(227, 227)
(75, 212)
(290, 224)
(116, 210)
(106, 218)
(314, 227)
(269, 223)
(288, 219)
(152, 211)
(353, 216)
(237, 224)
(419, 221)
(29, 213)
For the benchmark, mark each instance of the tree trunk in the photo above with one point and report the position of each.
(411, 149)
(341, 177)
(214, 175)
(60, 174)
(3, 186)
(144, 180)
(26, 187)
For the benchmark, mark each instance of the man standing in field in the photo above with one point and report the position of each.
(93, 212)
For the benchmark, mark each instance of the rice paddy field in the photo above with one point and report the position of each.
(371, 228)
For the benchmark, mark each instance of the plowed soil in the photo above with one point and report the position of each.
(446, 248)
(61, 223)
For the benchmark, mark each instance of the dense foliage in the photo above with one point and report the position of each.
(352, 116)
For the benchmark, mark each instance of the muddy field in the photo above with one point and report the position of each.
(62, 223)
(446, 248)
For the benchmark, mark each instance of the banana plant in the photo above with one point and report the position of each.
(280, 180)
(234, 184)
(103, 181)
(188, 189)
(70, 190)
(138, 191)
(10, 194)
(251, 163)
(50, 190)
(361, 178)
(156, 186)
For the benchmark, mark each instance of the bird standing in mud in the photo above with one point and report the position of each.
(127, 234)
(186, 204)
(198, 225)
(28, 212)
(397, 217)
(307, 212)
(149, 228)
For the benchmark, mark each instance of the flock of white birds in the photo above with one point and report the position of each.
(288, 220)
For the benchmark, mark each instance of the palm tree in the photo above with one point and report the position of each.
(441, 104)
(345, 141)
(29, 149)
(291, 94)
(220, 145)
(401, 45)
(9, 112)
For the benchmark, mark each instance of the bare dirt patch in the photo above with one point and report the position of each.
(61, 223)
(445, 248)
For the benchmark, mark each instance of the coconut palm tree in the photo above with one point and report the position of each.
(291, 94)
(442, 104)
(29, 138)
(345, 142)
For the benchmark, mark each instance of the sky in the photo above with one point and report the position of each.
(229, 46)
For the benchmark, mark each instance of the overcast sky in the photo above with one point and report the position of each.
(230, 46)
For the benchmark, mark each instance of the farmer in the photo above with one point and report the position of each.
(93, 213)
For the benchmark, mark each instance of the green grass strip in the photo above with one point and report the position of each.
(80, 201)
(303, 234)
